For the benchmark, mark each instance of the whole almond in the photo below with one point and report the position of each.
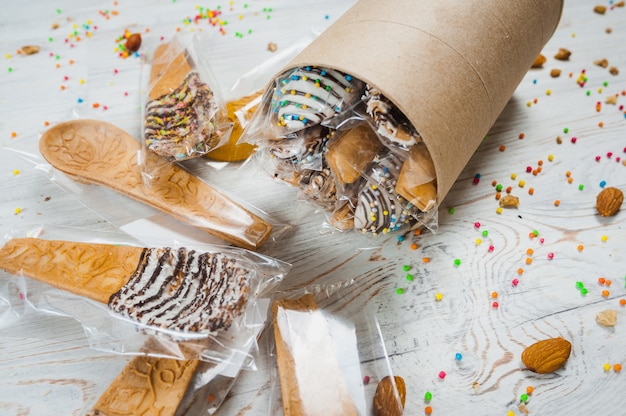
(600, 9)
(601, 62)
(133, 43)
(546, 356)
(555, 73)
(539, 61)
(563, 54)
(509, 201)
(390, 397)
(609, 201)
(30, 49)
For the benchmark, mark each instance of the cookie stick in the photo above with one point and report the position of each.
(147, 386)
(310, 378)
(93, 151)
(180, 289)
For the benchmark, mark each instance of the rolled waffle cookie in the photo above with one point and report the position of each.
(304, 97)
(175, 289)
(310, 375)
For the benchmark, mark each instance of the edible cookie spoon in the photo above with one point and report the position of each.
(98, 152)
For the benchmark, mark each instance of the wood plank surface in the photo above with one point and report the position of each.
(47, 365)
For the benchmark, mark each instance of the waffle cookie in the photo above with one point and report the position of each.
(175, 289)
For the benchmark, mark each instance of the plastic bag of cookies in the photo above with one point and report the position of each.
(184, 115)
(376, 119)
(166, 299)
(330, 355)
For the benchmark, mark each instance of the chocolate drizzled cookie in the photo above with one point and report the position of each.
(307, 96)
(379, 208)
(389, 122)
(184, 290)
(181, 125)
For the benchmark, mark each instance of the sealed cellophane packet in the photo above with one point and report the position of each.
(183, 113)
(375, 120)
(347, 149)
(183, 300)
(329, 355)
(193, 307)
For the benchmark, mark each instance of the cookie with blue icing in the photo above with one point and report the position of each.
(309, 95)
(379, 208)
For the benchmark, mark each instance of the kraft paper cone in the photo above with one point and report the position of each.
(449, 65)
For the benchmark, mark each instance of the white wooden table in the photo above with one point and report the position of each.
(47, 367)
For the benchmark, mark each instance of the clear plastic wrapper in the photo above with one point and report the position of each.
(99, 164)
(329, 352)
(346, 148)
(245, 94)
(184, 115)
(167, 299)
(416, 79)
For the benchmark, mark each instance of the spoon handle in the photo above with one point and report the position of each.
(94, 151)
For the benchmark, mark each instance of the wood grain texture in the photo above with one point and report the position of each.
(51, 370)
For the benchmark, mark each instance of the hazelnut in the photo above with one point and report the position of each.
(133, 43)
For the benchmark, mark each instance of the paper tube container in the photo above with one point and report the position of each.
(450, 66)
